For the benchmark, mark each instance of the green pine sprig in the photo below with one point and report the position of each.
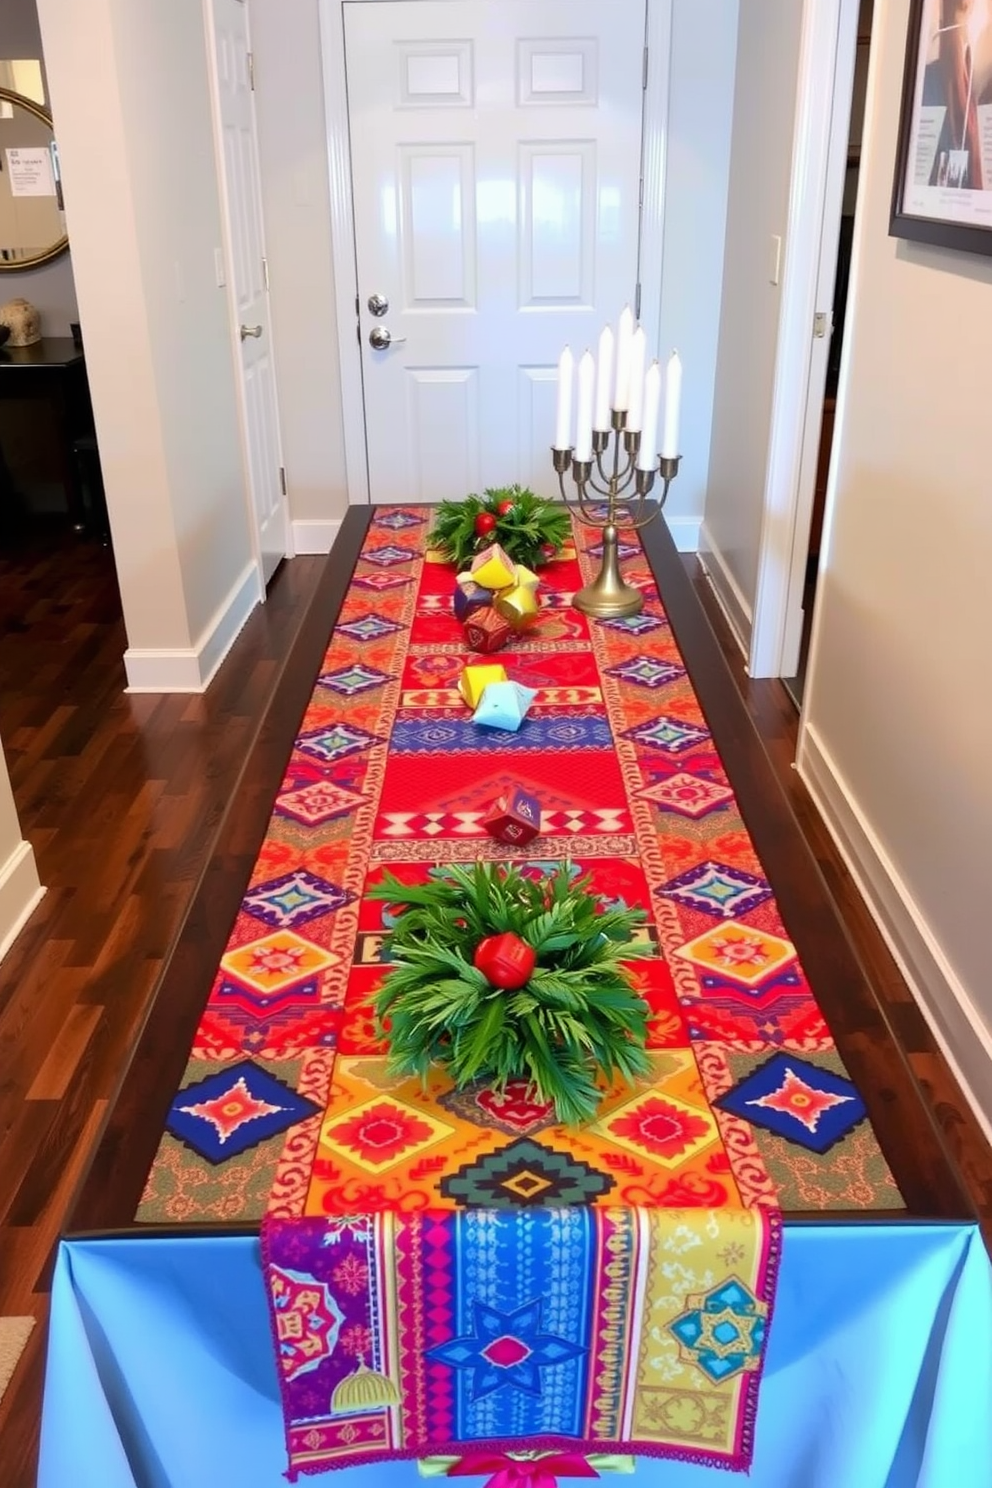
(576, 1017)
(532, 523)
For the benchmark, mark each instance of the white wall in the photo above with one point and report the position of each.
(289, 98)
(50, 286)
(704, 56)
(129, 84)
(19, 887)
(760, 170)
(898, 704)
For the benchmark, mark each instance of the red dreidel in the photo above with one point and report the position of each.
(515, 818)
(485, 630)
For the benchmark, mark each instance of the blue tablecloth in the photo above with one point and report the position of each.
(879, 1369)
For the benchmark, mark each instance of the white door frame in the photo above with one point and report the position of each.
(658, 35)
(232, 309)
(819, 161)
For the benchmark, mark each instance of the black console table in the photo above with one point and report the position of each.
(54, 369)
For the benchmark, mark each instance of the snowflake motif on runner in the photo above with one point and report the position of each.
(671, 735)
(717, 889)
(336, 742)
(235, 1109)
(647, 671)
(294, 899)
(388, 556)
(369, 628)
(350, 681)
(797, 1100)
(505, 1350)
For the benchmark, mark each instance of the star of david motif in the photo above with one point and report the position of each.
(369, 628)
(235, 1109)
(647, 671)
(336, 742)
(722, 1331)
(802, 1102)
(397, 521)
(349, 681)
(388, 556)
(671, 735)
(320, 801)
(505, 1350)
(294, 899)
(688, 795)
(716, 889)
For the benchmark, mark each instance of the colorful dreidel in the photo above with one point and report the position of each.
(475, 679)
(469, 596)
(522, 577)
(515, 818)
(492, 568)
(485, 630)
(518, 605)
(503, 705)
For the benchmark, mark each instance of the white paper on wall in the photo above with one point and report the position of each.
(30, 171)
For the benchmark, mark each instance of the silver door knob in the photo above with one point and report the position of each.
(378, 304)
(247, 331)
(381, 336)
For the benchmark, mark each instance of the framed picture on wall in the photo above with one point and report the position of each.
(943, 183)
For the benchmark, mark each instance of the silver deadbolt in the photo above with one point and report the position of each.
(378, 304)
(254, 331)
(381, 336)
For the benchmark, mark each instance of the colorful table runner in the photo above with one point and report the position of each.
(287, 1109)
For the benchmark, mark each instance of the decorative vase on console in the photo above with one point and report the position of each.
(23, 322)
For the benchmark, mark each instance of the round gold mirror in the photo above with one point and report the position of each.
(32, 222)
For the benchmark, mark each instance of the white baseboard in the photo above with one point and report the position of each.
(964, 1039)
(729, 594)
(20, 892)
(685, 533)
(192, 668)
(315, 537)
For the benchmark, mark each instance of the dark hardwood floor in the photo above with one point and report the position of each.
(123, 798)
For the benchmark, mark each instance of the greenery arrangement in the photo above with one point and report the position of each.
(499, 976)
(531, 529)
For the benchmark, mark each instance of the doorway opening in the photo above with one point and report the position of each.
(795, 685)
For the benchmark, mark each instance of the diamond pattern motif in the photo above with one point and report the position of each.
(349, 681)
(688, 795)
(336, 742)
(235, 1109)
(369, 628)
(796, 1099)
(647, 671)
(388, 556)
(672, 735)
(294, 899)
(717, 889)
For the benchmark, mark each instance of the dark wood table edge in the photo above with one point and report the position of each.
(110, 1189)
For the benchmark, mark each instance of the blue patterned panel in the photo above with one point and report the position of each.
(563, 732)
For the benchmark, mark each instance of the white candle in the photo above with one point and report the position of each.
(647, 455)
(604, 377)
(673, 400)
(625, 335)
(563, 422)
(583, 430)
(635, 403)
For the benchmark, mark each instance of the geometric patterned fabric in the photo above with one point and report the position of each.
(748, 1108)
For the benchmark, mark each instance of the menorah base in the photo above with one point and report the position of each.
(608, 597)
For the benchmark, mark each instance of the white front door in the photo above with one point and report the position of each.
(246, 277)
(495, 165)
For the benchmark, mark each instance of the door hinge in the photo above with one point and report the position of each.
(251, 71)
(823, 324)
(640, 192)
(637, 302)
(644, 71)
(265, 273)
(282, 479)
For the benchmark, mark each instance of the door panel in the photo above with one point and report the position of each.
(247, 289)
(495, 151)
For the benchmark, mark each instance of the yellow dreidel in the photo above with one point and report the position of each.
(475, 679)
(518, 605)
(492, 568)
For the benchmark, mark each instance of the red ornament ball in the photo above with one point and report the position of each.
(505, 960)
(548, 551)
(504, 509)
(485, 522)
